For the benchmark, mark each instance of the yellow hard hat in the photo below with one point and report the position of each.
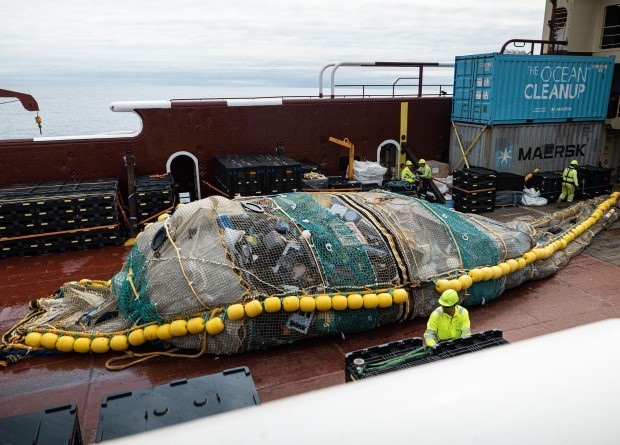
(449, 298)
(574, 162)
(408, 163)
(421, 161)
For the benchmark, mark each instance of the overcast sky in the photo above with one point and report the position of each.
(249, 42)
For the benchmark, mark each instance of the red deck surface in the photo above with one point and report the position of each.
(583, 292)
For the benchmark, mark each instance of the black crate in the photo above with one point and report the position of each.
(475, 173)
(354, 370)
(549, 184)
(61, 243)
(592, 192)
(475, 184)
(339, 182)
(240, 175)
(473, 198)
(291, 174)
(17, 227)
(180, 401)
(57, 224)
(465, 207)
(110, 236)
(23, 247)
(474, 201)
(314, 183)
(52, 426)
(509, 182)
(310, 167)
(153, 183)
(592, 176)
(153, 195)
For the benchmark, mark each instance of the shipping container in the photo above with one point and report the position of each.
(520, 149)
(499, 89)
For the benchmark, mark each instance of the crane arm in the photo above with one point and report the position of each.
(345, 143)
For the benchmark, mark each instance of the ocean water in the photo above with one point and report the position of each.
(78, 110)
(85, 109)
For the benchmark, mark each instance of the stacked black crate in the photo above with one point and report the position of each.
(240, 175)
(58, 216)
(549, 184)
(281, 174)
(274, 180)
(291, 174)
(97, 207)
(593, 181)
(153, 195)
(17, 220)
(474, 190)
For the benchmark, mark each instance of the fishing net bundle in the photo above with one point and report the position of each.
(225, 276)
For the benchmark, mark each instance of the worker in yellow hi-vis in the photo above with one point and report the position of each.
(569, 183)
(407, 175)
(425, 174)
(448, 321)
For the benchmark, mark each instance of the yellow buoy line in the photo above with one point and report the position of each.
(509, 266)
(211, 322)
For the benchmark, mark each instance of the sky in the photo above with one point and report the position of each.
(244, 42)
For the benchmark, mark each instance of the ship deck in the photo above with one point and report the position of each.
(585, 291)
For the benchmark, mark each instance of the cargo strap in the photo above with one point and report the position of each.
(464, 158)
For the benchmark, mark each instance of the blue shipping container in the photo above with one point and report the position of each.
(500, 89)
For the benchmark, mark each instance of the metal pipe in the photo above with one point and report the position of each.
(338, 65)
(321, 78)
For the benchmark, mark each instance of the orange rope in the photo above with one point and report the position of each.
(62, 232)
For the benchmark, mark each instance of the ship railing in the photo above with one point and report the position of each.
(419, 66)
(396, 90)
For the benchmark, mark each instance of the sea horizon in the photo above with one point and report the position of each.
(84, 109)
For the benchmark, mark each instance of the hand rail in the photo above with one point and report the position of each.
(419, 65)
(542, 43)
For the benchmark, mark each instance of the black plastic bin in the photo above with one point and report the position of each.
(179, 401)
(509, 182)
(53, 426)
(549, 184)
(355, 361)
(594, 176)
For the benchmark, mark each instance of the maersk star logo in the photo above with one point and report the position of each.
(504, 157)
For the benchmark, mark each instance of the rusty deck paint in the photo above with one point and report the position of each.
(583, 292)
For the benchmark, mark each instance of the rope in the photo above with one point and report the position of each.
(149, 355)
(381, 228)
(62, 232)
(9, 101)
(178, 253)
(133, 286)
